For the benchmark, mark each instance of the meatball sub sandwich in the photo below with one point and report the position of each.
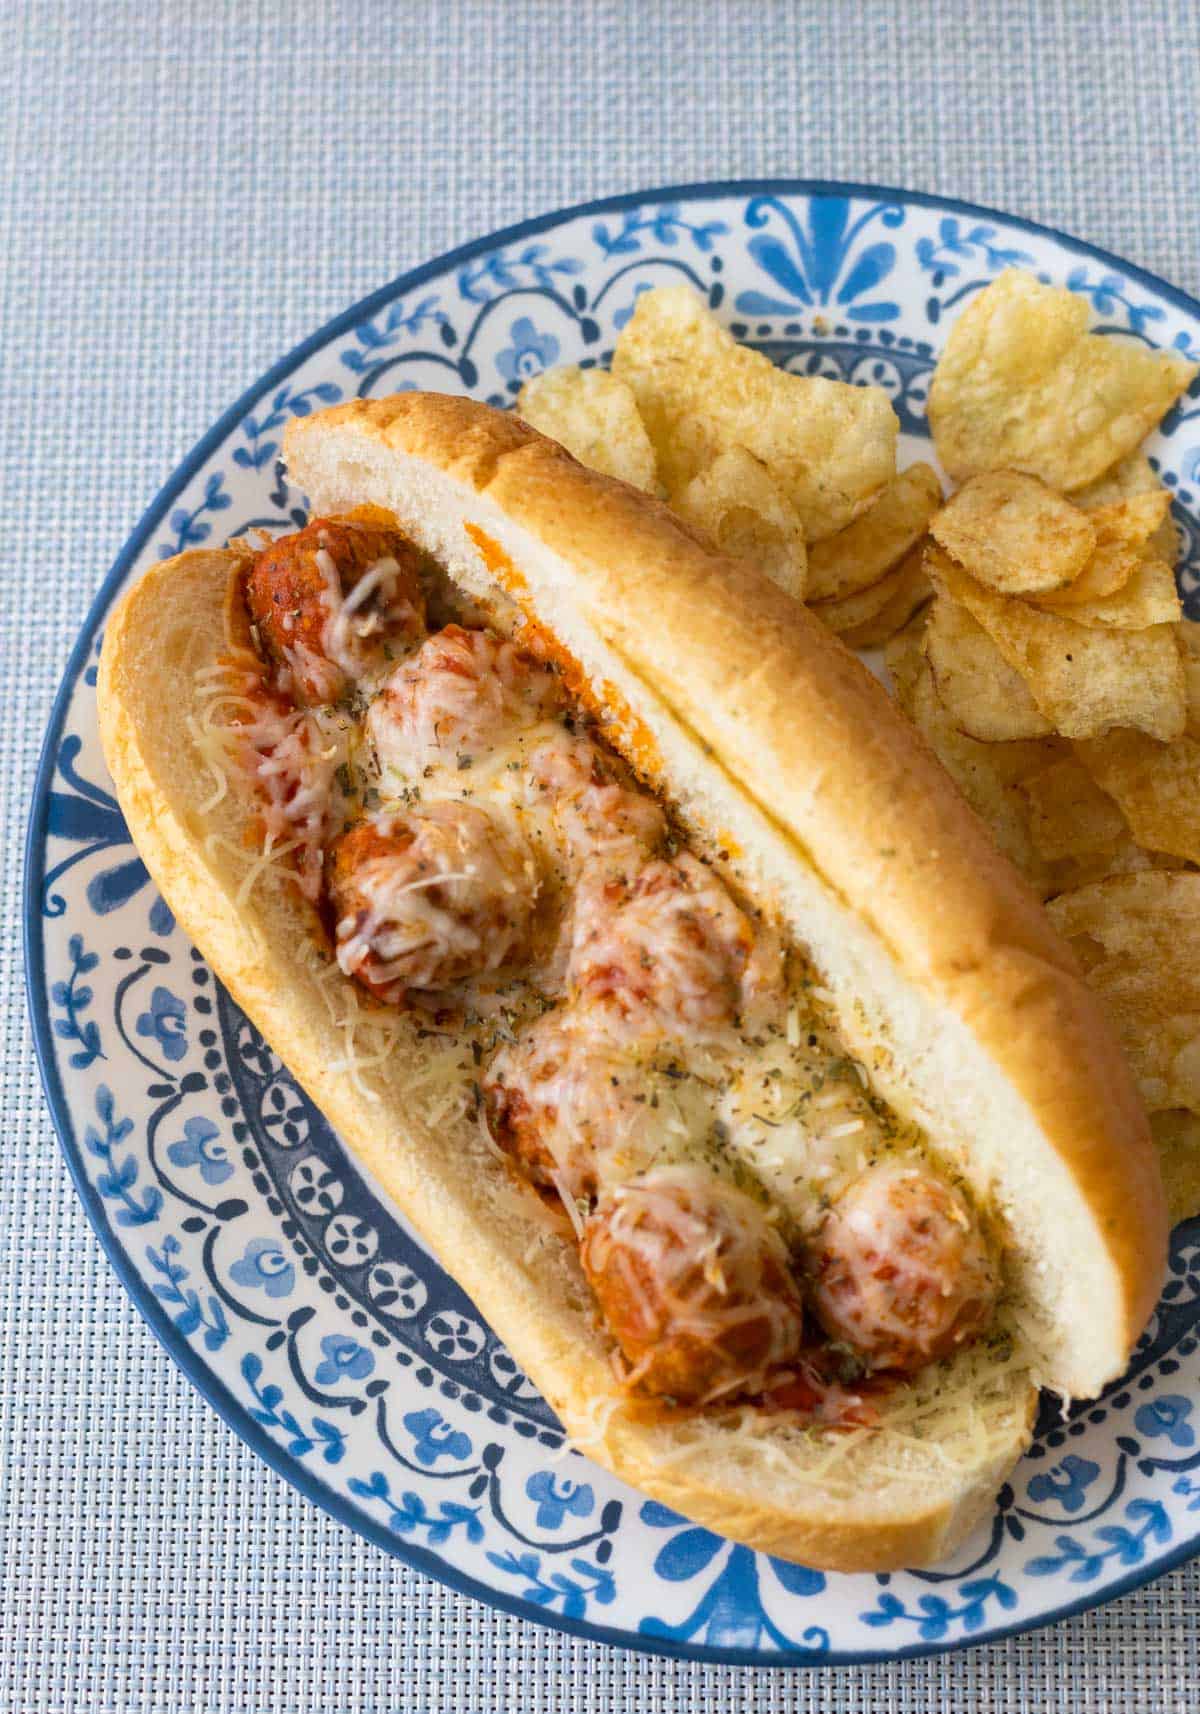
(606, 907)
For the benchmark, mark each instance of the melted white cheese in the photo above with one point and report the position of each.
(800, 1119)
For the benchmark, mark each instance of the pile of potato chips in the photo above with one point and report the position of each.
(1054, 673)
(795, 472)
(1036, 635)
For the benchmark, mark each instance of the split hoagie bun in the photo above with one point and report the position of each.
(789, 772)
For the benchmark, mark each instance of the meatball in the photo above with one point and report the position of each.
(550, 1099)
(672, 952)
(333, 602)
(901, 1270)
(463, 694)
(577, 1111)
(598, 815)
(694, 1286)
(429, 898)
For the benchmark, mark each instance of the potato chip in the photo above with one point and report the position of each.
(904, 658)
(866, 550)
(1084, 678)
(1138, 937)
(1125, 530)
(1070, 815)
(1166, 542)
(1160, 1035)
(1130, 476)
(984, 697)
(984, 773)
(1109, 570)
(1149, 597)
(1119, 857)
(910, 590)
(829, 446)
(854, 612)
(1016, 762)
(1014, 534)
(1136, 915)
(1156, 785)
(595, 416)
(737, 505)
(861, 608)
(1176, 1135)
(1022, 385)
(1188, 633)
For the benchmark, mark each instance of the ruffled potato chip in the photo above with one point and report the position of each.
(1023, 385)
(735, 502)
(866, 550)
(1014, 534)
(1138, 938)
(984, 697)
(1176, 1135)
(1084, 678)
(1132, 475)
(1125, 533)
(1156, 785)
(829, 446)
(595, 416)
(909, 589)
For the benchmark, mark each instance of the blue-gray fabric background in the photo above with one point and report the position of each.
(186, 191)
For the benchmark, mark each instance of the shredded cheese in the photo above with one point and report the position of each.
(956, 1417)
(289, 756)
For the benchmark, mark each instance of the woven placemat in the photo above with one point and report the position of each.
(188, 189)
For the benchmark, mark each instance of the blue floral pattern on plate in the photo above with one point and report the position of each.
(313, 1318)
(201, 1147)
(264, 1267)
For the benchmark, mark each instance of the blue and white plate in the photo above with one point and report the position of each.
(275, 1272)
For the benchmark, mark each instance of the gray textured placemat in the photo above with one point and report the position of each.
(187, 190)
